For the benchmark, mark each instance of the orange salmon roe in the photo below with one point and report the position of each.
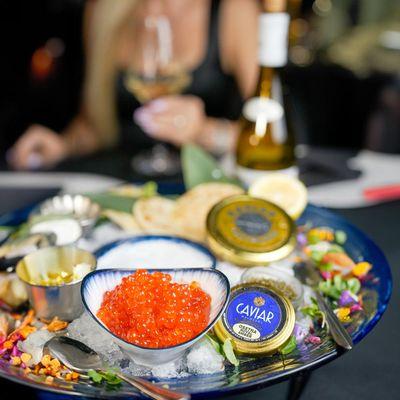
(151, 311)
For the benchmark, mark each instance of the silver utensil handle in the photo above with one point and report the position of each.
(336, 329)
(152, 390)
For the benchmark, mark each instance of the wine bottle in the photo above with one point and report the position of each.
(266, 140)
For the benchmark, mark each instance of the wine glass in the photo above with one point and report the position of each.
(152, 73)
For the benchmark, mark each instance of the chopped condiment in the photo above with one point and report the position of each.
(59, 278)
(150, 310)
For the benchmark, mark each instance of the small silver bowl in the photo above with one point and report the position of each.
(62, 301)
(84, 210)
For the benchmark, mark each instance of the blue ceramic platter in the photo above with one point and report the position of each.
(256, 373)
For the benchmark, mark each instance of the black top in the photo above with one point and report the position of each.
(209, 82)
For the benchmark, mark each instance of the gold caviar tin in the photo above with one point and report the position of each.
(258, 320)
(249, 231)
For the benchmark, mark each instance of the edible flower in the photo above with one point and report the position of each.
(347, 299)
(301, 239)
(316, 235)
(355, 307)
(343, 313)
(339, 259)
(299, 332)
(361, 269)
(313, 339)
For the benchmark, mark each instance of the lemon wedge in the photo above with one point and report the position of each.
(287, 192)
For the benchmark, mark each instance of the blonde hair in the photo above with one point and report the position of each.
(99, 101)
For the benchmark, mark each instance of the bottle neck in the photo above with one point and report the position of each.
(273, 39)
(264, 86)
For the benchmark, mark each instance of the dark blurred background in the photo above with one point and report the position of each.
(344, 72)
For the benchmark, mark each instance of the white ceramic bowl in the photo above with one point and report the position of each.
(154, 251)
(211, 281)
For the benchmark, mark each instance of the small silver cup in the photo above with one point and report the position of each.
(63, 301)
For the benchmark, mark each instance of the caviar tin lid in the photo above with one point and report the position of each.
(249, 231)
(258, 320)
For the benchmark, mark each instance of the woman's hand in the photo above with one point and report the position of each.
(175, 119)
(38, 147)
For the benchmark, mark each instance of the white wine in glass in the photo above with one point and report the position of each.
(153, 73)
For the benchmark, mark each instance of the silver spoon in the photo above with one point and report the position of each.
(80, 358)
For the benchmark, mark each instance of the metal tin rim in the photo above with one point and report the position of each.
(239, 256)
(259, 348)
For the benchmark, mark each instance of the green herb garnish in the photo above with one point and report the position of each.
(334, 288)
(353, 285)
(289, 346)
(215, 343)
(317, 256)
(230, 355)
(314, 311)
(109, 377)
(340, 237)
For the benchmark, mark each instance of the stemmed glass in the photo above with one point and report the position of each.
(153, 72)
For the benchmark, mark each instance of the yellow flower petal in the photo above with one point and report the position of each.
(361, 269)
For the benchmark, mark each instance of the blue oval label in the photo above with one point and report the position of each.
(254, 314)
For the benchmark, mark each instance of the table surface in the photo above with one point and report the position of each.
(369, 371)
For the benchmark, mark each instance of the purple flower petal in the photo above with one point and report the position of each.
(302, 239)
(15, 351)
(346, 299)
(299, 333)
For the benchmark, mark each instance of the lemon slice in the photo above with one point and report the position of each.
(287, 192)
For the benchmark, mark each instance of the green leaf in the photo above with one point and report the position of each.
(326, 267)
(108, 376)
(199, 167)
(314, 311)
(340, 237)
(339, 284)
(335, 248)
(329, 289)
(317, 256)
(229, 352)
(289, 346)
(95, 376)
(112, 201)
(215, 344)
(354, 285)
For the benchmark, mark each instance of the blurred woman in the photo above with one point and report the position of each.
(216, 40)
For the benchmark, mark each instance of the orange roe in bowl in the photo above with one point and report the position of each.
(149, 310)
